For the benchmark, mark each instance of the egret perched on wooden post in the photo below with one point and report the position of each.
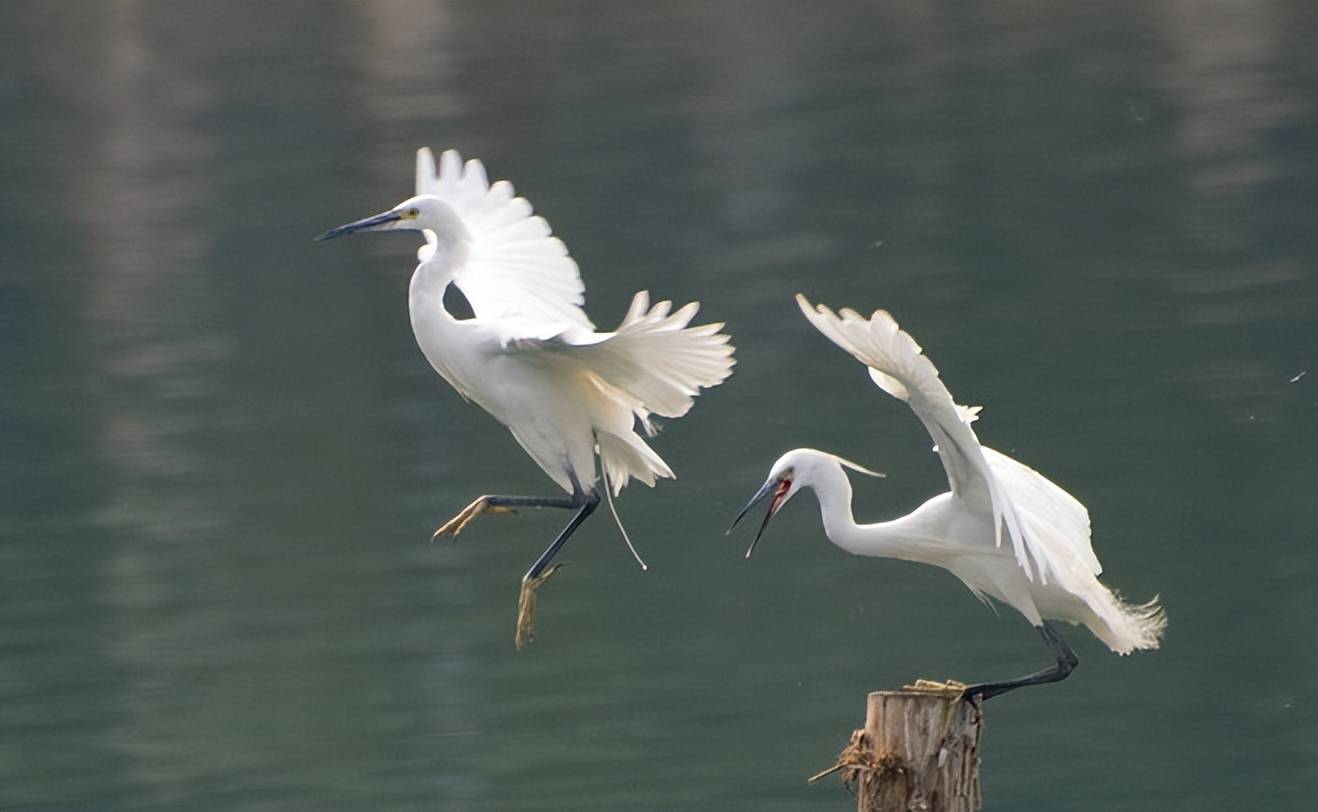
(1045, 566)
(532, 359)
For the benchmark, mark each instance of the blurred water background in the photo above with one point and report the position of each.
(223, 454)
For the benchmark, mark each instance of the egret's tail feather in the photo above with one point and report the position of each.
(623, 456)
(1127, 627)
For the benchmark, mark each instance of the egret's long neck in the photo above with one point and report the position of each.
(885, 539)
(437, 332)
(425, 294)
(833, 490)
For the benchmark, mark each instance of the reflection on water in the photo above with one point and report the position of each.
(225, 452)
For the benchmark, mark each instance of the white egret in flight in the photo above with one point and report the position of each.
(1045, 567)
(532, 359)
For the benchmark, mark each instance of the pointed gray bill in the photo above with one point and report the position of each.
(776, 487)
(361, 225)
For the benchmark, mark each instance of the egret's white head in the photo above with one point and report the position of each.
(423, 212)
(797, 469)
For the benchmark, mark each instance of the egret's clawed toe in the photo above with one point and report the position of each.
(526, 605)
(458, 523)
(951, 688)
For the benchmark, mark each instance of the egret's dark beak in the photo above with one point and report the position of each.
(369, 224)
(778, 488)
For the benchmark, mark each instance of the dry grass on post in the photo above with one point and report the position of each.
(919, 750)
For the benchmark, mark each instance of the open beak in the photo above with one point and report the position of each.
(369, 224)
(778, 488)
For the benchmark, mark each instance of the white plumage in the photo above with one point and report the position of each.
(1045, 566)
(512, 267)
(530, 356)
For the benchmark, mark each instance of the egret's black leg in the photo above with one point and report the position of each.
(491, 503)
(512, 502)
(1066, 663)
(541, 571)
(586, 504)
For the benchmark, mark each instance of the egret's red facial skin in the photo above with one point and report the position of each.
(779, 493)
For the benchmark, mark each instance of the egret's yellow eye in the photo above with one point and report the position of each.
(411, 214)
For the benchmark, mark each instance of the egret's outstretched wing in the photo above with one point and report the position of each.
(898, 366)
(654, 358)
(512, 267)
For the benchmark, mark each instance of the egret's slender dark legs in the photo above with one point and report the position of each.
(583, 502)
(586, 504)
(541, 570)
(1066, 663)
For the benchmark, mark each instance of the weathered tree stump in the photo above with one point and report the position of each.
(918, 752)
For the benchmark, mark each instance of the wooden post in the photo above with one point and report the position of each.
(918, 752)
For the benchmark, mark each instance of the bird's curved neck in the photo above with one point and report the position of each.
(833, 490)
(429, 281)
(438, 334)
(885, 539)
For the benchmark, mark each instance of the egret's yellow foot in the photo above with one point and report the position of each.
(951, 688)
(456, 525)
(526, 605)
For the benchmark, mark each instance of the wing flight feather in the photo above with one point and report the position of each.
(899, 367)
(514, 267)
